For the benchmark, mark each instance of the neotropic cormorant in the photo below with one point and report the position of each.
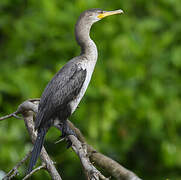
(64, 92)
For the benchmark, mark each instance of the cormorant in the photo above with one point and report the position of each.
(64, 92)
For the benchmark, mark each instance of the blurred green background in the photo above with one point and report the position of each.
(132, 109)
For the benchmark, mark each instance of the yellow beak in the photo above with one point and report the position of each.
(109, 13)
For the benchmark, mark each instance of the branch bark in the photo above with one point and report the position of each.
(13, 172)
(34, 170)
(27, 109)
(106, 163)
(85, 152)
(81, 151)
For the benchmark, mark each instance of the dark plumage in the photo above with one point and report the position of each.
(64, 92)
(63, 88)
(54, 103)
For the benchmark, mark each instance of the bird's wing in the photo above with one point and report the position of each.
(62, 89)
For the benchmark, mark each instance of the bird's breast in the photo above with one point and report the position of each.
(89, 66)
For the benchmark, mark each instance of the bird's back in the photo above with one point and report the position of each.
(60, 91)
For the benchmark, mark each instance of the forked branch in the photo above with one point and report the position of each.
(85, 152)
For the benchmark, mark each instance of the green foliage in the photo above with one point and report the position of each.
(132, 108)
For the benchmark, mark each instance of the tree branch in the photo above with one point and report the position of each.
(14, 171)
(108, 164)
(33, 171)
(28, 119)
(27, 109)
(81, 151)
(10, 115)
(80, 147)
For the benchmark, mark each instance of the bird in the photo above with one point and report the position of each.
(63, 93)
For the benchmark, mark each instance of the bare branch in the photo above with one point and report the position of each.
(9, 116)
(111, 166)
(25, 106)
(35, 170)
(14, 171)
(28, 118)
(108, 164)
(28, 105)
(81, 151)
(79, 145)
(27, 109)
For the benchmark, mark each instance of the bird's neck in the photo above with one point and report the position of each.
(88, 47)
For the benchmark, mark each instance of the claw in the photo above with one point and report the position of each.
(66, 131)
(69, 144)
(60, 140)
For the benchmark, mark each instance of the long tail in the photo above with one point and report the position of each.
(36, 149)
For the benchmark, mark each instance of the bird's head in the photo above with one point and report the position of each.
(93, 15)
(87, 19)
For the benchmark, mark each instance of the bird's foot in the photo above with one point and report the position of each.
(66, 131)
